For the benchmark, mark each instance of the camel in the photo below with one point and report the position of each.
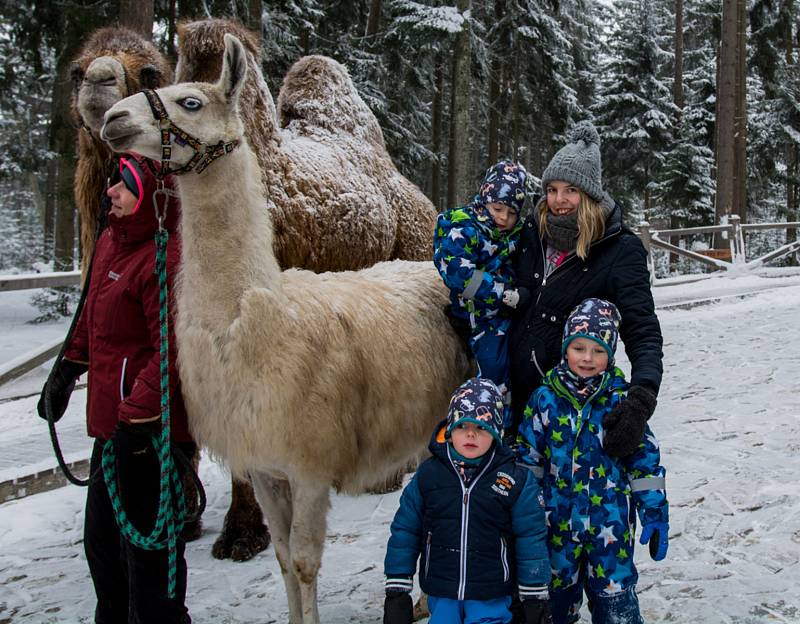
(305, 381)
(328, 178)
(113, 64)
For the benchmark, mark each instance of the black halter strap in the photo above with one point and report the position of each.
(204, 154)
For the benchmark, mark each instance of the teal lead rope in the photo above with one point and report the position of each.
(171, 513)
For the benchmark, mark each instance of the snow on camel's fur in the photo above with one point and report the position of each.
(304, 380)
(328, 178)
(113, 64)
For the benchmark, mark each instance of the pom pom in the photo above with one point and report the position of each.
(584, 131)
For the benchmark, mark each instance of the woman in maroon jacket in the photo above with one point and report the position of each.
(117, 340)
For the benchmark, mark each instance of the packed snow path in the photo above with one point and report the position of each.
(729, 425)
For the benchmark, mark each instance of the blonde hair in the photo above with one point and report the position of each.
(591, 223)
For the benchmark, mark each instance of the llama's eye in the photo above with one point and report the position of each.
(108, 82)
(190, 103)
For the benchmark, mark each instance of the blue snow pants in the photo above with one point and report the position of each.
(450, 611)
(490, 348)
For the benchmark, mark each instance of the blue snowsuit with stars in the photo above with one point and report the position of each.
(474, 258)
(591, 499)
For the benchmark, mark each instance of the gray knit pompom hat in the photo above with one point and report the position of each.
(578, 162)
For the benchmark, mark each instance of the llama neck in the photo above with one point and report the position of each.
(226, 238)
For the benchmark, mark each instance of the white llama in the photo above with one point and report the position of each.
(305, 381)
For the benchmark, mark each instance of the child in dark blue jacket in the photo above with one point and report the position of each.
(591, 498)
(474, 520)
(473, 246)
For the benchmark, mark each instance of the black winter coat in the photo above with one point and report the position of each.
(616, 270)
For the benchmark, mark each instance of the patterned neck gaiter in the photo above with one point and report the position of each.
(579, 387)
(465, 468)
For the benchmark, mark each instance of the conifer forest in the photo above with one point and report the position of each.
(697, 102)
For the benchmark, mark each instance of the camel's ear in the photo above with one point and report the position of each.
(150, 77)
(234, 68)
(76, 74)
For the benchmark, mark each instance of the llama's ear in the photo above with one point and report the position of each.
(234, 68)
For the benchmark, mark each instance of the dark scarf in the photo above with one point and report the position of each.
(581, 388)
(562, 230)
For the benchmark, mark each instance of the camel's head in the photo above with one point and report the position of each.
(205, 111)
(113, 64)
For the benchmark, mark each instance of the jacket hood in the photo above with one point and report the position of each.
(143, 223)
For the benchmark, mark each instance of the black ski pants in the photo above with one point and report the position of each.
(131, 583)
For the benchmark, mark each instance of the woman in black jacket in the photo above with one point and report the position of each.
(574, 246)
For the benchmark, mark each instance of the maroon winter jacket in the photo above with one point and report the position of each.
(117, 334)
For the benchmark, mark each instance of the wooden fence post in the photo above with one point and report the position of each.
(644, 236)
(736, 240)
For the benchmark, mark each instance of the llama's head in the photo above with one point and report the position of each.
(205, 111)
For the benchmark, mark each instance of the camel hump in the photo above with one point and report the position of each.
(318, 93)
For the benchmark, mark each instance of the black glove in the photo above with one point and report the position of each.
(537, 611)
(60, 386)
(398, 608)
(135, 439)
(626, 424)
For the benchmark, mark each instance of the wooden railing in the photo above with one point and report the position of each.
(733, 257)
(28, 361)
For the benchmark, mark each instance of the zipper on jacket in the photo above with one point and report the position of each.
(462, 567)
(578, 425)
(536, 363)
(428, 552)
(504, 558)
(122, 380)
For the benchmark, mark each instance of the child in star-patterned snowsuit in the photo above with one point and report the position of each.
(592, 499)
(473, 247)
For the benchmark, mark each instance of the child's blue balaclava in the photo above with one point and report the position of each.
(504, 183)
(477, 400)
(596, 319)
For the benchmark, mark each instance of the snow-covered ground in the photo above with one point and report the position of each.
(729, 425)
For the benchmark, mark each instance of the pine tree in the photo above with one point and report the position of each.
(634, 110)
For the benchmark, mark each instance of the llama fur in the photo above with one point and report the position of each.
(305, 381)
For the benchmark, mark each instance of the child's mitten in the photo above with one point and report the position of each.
(657, 533)
(398, 608)
(537, 611)
(626, 423)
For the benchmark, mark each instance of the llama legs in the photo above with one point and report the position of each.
(275, 498)
(310, 504)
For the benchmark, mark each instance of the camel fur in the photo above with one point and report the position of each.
(328, 178)
(305, 381)
(113, 64)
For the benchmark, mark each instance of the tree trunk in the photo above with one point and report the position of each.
(677, 85)
(740, 136)
(458, 182)
(49, 220)
(436, 138)
(253, 17)
(792, 168)
(677, 99)
(374, 20)
(495, 83)
(138, 16)
(172, 30)
(726, 117)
